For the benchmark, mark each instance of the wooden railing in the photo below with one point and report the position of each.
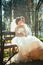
(7, 36)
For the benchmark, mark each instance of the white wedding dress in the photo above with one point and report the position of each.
(26, 45)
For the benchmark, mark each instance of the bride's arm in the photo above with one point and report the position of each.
(24, 33)
(17, 33)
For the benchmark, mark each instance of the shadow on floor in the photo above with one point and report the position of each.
(38, 62)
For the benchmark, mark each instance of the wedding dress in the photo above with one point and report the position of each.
(29, 47)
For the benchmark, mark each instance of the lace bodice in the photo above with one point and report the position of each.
(20, 30)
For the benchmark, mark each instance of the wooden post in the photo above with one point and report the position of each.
(1, 44)
(36, 23)
(12, 10)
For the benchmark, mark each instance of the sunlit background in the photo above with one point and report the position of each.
(27, 8)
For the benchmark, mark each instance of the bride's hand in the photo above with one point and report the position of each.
(23, 34)
(20, 34)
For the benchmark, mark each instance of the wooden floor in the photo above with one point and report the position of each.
(35, 62)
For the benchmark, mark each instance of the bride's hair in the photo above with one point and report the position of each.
(18, 19)
(22, 17)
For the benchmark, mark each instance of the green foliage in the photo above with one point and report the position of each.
(41, 39)
(3, 26)
(6, 54)
(6, 8)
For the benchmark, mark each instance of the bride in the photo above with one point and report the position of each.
(29, 46)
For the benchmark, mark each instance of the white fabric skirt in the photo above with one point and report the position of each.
(28, 48)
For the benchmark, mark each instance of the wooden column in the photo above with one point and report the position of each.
(36, 23)
(1, 44)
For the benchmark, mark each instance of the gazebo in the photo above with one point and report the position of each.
(30, 9)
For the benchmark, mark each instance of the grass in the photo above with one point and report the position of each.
(41, 38)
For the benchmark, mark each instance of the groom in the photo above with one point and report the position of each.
(13, 25)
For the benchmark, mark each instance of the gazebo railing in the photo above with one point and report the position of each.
(7, 36)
